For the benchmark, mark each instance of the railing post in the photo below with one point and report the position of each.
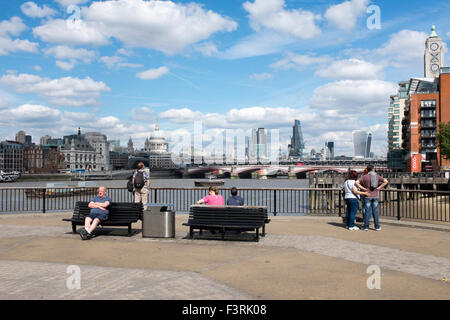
(43, 200)
(274, 202)
(398, 206)
(155, 196)
(340, 203)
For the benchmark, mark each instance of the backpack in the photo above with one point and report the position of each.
(373, 180)
(130, 186)
(139, 180)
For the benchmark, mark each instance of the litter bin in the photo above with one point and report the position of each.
(158, 221)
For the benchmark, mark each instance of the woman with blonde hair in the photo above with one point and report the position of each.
(213, 198)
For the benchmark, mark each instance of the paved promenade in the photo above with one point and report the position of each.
(300, 258)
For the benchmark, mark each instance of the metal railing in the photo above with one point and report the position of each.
(394, 203)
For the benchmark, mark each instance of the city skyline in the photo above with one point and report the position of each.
(66, 67)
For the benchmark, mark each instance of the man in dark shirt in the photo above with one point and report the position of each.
(235, 200)
(99, 212)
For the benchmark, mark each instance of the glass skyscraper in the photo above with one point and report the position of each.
(362, 142)
(297, 144)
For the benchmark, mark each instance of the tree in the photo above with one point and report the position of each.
(443, 139)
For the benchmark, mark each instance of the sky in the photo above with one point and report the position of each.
(119, 67)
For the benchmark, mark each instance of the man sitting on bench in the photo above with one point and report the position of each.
(99, 212)
(235, 200)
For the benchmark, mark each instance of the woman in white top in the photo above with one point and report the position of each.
(351, 199)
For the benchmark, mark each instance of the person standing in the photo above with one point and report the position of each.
(99, 213)
(141, 182)
(213, 198)
(235, 200)
(372, 183)
(351, 199)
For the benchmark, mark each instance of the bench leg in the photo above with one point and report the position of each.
(257, 235)
(74, 228)
(191, 232)
(129, 229)
(263, 234)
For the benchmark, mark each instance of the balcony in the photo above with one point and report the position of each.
(428, 104)
(428, 114)
(428, 133)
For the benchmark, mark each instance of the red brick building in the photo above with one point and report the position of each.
(428, 105)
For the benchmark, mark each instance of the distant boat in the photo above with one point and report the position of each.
(209, 183)
(53, 190)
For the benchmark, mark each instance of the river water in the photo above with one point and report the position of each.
(173, 183)
(16, 199)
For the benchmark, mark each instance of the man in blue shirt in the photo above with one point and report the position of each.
(99, 212)
(235, 200)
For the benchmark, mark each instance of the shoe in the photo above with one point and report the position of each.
(83, 234)
(366, 229)
(354, 228)
(378, 229)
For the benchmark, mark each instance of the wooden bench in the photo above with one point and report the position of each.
(227, 218)
(120, 214)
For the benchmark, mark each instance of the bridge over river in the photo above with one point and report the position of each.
(264, 171)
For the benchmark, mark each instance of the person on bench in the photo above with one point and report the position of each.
(235, 200)
(99, 212)
(213, 198)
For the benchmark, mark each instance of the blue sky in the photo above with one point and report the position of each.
(119, 66)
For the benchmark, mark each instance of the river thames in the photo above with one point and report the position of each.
(172, 183)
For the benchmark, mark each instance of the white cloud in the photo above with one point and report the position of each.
(78, 32)
(404, 48)
(125, 52)
(261, 43)
(351, 69)
(298, 61)
(118, 62)
(207, 49)
(67, 3)
(273, 15)
(68, 91)
(32, 10)
(183, 115)
(344, 15)
(161, 25)
(14, 27)
(143, 114)
(261, 76)
(152, 74)
(67, 66)
(68, 53)
(73, 56)
(350, 97)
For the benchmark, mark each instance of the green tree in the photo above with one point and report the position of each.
(443, 139)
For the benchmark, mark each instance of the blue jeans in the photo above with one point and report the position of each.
(352, 207)
(371, 208)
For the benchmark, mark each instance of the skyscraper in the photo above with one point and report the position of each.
(297, 144)
(362, 142)
(329, 150)
(257, 145)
